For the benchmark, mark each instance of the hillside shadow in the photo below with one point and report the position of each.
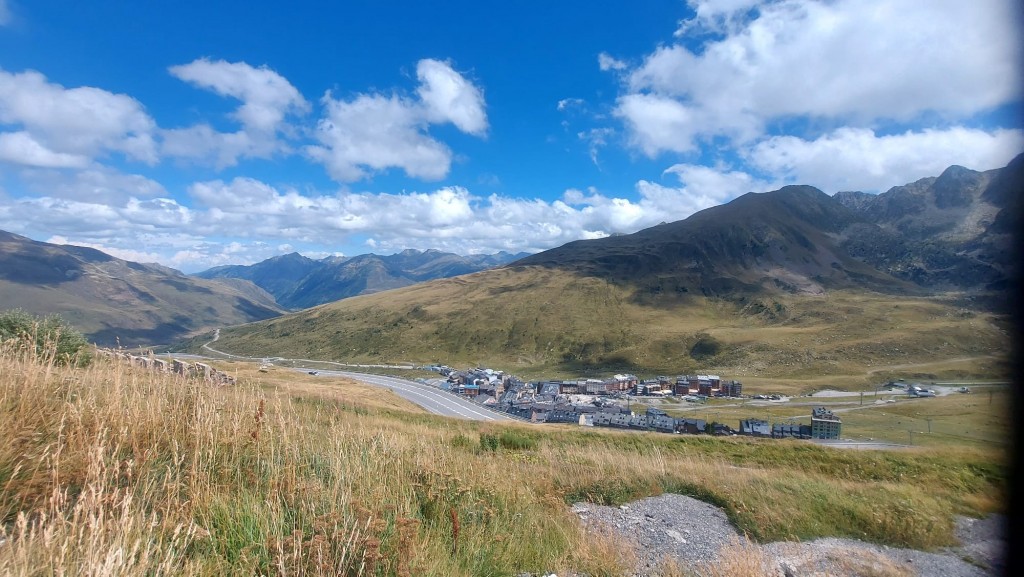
(165, 332)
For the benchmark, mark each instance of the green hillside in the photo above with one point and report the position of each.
(545, 321)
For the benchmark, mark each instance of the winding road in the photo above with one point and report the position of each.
(430, 398)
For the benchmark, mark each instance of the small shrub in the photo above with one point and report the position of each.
(488, 442)
(510, 440)
(516, 441)
(50, 335)
(461, 441)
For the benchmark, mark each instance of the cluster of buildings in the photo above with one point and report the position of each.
(550, 401)
(824, 425)
(487, 382)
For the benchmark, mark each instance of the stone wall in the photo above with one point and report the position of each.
(185, 369)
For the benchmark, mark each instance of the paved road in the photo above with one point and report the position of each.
(430, 398)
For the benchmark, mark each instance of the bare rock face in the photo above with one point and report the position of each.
(947, 232)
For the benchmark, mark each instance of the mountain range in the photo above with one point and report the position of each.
(810, 281)
(792, 281)
(117, 302)
(939, 234)
(299, 282)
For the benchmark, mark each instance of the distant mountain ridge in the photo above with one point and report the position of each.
(298, 282)
(782, 240)
(117, 302)
(951, 232)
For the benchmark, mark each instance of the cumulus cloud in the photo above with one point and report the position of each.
(451, 218)
(70, 127)
(374, 132)
(448, 97)
(266, 96)
(851, 62)
(377, 132)
(657, 123)
(858, 159)
(267, 100)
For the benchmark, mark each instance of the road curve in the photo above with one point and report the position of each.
(430, 398)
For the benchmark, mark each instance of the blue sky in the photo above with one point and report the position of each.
(203, 133)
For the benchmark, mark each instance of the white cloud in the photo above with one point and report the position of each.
(846, 61)
(377, 132)
(62, 126)
(21, 148)
(858, 159)
(606, 62)
(203, 144)
(449, 97)
(374, 132)
(243, 219)
(596, 139)
(5, 13)
(567, 103)
(267, 100)
(266, 95)
(715, 16)
(657, 123)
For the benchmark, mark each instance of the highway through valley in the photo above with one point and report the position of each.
(430, 398)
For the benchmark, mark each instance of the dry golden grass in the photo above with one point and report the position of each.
(108, 470)
(291, 383)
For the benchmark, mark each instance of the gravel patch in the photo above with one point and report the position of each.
(693, 533)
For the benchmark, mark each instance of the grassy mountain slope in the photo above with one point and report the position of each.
(541, 321)
(761, 242)
(115, 301)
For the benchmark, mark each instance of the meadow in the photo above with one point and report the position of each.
(110, 470)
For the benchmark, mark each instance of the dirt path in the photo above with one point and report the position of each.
(926, 365)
